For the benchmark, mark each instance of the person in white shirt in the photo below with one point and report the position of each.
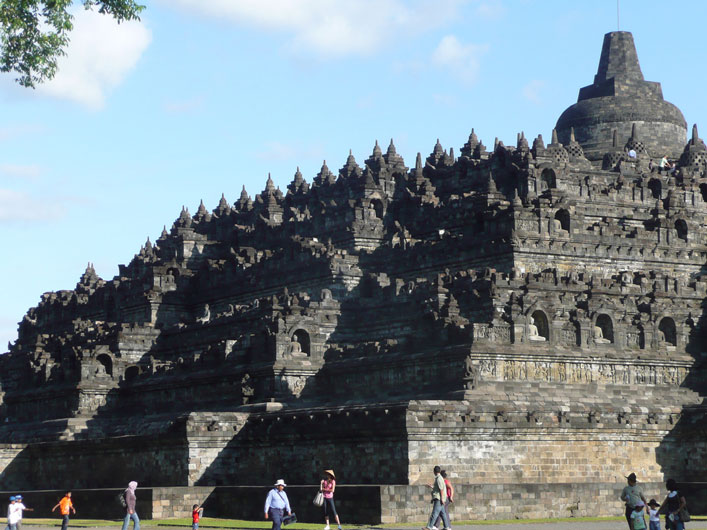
(9, 508)
(654, 519)
(22, 508)
(14, 514)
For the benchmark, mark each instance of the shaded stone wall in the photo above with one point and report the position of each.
(108, 462)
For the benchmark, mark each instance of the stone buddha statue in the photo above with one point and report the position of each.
(533, 333)
(295, 348)
(599, 336)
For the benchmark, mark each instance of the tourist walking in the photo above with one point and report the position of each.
(631, 495)
(276, 504)
(450, 498)
(673, 503)
(11, 514)
(131, 513)
(65, 508)
(327, 486)
(439, 497)
(21, 508)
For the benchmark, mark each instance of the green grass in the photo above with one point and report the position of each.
(205, 523)
(213, 522)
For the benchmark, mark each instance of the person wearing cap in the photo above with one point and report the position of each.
(631, 495)
(21, 508)
(327, 486)
(65, 507)
(653, 515)
(638, 521)
(276, 504)
(10, 507)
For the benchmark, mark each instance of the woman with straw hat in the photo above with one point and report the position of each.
(327, 486)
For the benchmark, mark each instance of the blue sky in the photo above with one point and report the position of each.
(204, 96)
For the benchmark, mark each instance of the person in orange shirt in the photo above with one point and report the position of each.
(65, 506)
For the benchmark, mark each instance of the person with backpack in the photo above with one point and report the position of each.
(130, 513)
(65, 508)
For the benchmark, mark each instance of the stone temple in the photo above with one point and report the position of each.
(530, 317)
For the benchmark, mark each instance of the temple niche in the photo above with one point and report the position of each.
(528, 316)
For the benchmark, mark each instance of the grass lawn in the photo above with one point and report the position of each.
(212, 522)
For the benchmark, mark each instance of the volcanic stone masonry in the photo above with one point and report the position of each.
(530, 317)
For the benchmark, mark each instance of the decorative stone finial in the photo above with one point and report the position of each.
(269, 184)
(377, 151)
(391, 149)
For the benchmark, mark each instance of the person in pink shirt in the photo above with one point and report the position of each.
(328, 485)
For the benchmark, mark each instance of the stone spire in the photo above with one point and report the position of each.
(269, 185)
(223, 206)
(418, 172)
(325, 177)
(470, 145)
(694, 156)
(618, 58)
(377, 153)
(298, 183)
(392, 158)
(351, 169)
(436, 155)
(522, 143)
(202, 213)
(184, 219)
(244, 202)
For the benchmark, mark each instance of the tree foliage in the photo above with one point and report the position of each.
(34, 33)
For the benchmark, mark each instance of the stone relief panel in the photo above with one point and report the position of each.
(580, 372)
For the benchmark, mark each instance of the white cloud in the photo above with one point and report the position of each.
(100, 55)
(18, 171)
(18, 206)
(462, 60)
(328, 27)
(532, 90)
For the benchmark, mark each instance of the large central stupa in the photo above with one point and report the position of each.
(618, 99)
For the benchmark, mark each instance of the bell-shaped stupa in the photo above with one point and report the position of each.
(618, 99)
